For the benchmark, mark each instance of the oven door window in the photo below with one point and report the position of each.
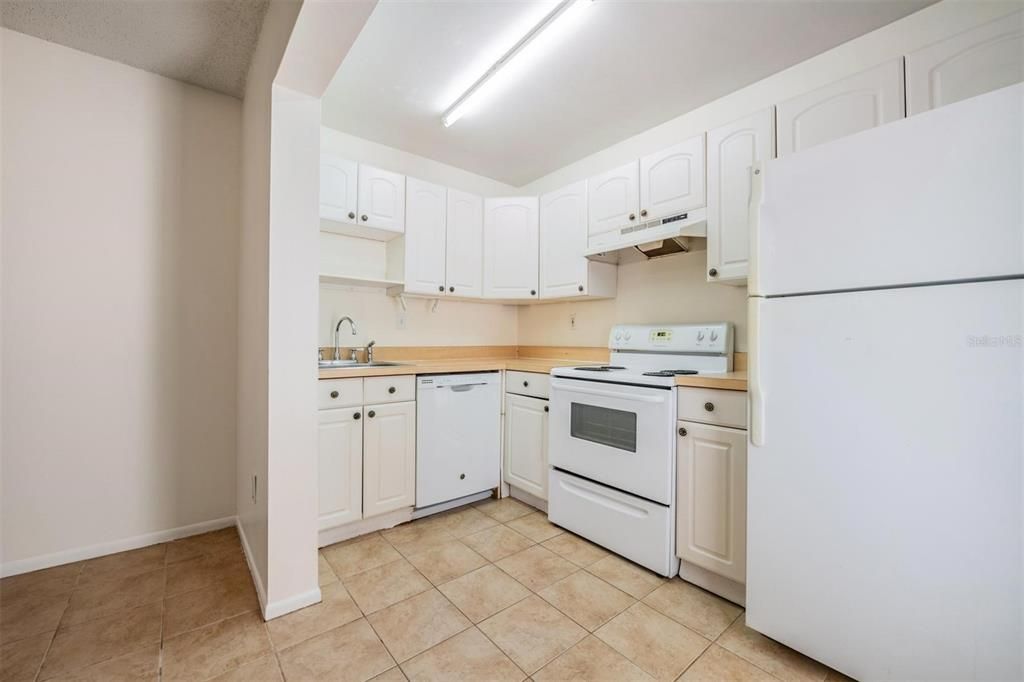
(614, 428)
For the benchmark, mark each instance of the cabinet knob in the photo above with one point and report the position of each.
(391, 389)
(371, 414)
(533, 292)
(580, 287)
(643, 212)
(356, 416)
(462, 477)
(710, 407)
(525, 384)
(682, 431)
(451, 290)
(351, 215)
(441, 288)
(713, 272)
(334, 394)
(364, 217)
(547, 408)
(632, 216)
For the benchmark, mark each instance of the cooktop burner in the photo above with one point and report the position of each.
(600, 368)
(669, 372)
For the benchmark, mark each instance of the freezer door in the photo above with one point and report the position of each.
(884, 480)
(932, 198)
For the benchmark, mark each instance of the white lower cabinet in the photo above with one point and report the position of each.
(366, 453)
(340, 457)
(389, 458)
(711, 529)
(526, 444)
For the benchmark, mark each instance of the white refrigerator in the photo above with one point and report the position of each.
(886, 413)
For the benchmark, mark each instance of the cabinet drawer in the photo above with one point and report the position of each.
(528, 383)
(378, 390)
(713, 406)
(339, 393)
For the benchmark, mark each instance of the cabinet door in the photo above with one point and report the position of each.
(712, 499)
(465, 248)
(337, 190)
(864, 100)
(340, 459)
(510, 248)
(526, 444)
(381, 199)
(614, 198)
(985, 58)
(425, 218)
(672, 180)
(563, 239)
(732, 149)
(389, 458)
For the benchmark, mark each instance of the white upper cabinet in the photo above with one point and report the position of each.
(614, 198)
(426, 214)
(985, 58)
(732, 149)
(465, 245)
(672, 180)
(563, 239)
(510, 248)
(381, 199)
(862, 101)
(337, 191)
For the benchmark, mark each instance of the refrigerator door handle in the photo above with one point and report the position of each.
(755, 389)
(754, 225)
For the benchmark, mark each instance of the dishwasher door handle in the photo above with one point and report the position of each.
(462, 388)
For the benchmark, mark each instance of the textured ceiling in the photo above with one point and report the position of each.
(626, 67)
(208, 43)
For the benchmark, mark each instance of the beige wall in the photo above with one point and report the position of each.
(674, 289)
(379, 316)
(120, 230)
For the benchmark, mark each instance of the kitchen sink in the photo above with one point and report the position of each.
(354, 364)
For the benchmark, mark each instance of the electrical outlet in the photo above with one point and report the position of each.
(401, 320)
(572, 321)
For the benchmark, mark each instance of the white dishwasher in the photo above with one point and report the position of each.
(458, 436)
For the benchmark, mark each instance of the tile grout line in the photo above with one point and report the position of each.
(53, 637)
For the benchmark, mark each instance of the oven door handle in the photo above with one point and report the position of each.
(629, 395)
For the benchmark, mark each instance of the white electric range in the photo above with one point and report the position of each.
(612, 444)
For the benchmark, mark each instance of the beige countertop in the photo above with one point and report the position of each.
(734, 381)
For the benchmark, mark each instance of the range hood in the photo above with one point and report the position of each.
(653, 238)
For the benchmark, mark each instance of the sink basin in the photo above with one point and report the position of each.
(354, 364)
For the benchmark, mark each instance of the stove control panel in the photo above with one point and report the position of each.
(713, 337)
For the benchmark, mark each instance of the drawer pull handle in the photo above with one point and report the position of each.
(334, 394)
(356, 416)
(682, 431)
(371, 414)
(391, 389)
(710, 407)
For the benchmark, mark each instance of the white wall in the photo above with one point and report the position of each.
(678, 285)
(254, 287)
(120, 228)
(377, 315)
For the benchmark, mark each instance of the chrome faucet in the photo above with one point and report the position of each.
(337, 330)
(369, 351)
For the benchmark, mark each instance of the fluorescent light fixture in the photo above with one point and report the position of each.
(564, 14)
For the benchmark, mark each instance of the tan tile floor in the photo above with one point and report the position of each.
(491, 592)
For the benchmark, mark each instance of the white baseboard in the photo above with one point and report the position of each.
(257, 579)
(528, 498)
(451, 504)
(329, 536)
(723, 587)
(284, 606)
(68, 556)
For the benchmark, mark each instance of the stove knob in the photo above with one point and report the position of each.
(618, 336)
(700, 336)
(628, 336)
(714, 336)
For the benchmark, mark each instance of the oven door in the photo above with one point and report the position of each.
(615, 434)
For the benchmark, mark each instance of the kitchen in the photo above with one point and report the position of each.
(607, 394)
